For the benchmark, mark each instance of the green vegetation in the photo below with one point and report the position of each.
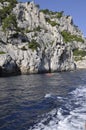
(45, 11)
(9, 23)
(53, 23)
(8, 19)
(20, 30)
(2, 52)
(60, 14)
(78, 52)
(37, 29)
(7, 9)
(51, 43)
(77, 58)
(68, 37)
(27, 30)
(10, 1)
(34, 30)
(33, 45)
(4, 12)
(57, 14)
(23, 48)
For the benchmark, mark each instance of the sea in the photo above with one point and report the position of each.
(55, 101)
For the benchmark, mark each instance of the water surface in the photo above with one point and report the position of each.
(43, 102)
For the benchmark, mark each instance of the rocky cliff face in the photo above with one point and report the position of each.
(37, 44)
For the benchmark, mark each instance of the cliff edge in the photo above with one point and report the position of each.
(36, 41)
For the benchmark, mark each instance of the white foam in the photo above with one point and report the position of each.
(76, 118)
(48, 95)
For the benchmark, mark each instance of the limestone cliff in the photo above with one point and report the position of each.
(33, 40)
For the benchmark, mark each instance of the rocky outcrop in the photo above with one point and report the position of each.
(37, 46)
(8, 66)
(81, 63)
(52, 59)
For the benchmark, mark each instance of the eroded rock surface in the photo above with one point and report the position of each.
(37, 46)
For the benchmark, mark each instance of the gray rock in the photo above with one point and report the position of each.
(49, 53)
(7, 65)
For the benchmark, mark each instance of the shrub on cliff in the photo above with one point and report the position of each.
(45, 11)
(37, 29)
(78, 52)
(68, 37)
(53, 23)
(9, 23)
(33, 45)
(60, 14)
(2, 52)
(6, 10)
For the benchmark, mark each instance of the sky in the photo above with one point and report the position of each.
(75, 8)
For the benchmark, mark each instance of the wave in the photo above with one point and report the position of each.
(48, 95)
(71, 115)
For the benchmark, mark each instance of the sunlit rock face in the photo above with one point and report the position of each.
(37, 46)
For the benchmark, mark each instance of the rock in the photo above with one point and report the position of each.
(7, 65)
(48, 52)
(3, 37)
(81, 64)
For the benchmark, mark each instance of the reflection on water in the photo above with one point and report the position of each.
(22, 98)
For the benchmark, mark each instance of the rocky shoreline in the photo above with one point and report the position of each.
(26, 62)
(37, 42)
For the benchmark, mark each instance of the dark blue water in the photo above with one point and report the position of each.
(27, 100)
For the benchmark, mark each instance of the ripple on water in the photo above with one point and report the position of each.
(75, 119)
(43, 102)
